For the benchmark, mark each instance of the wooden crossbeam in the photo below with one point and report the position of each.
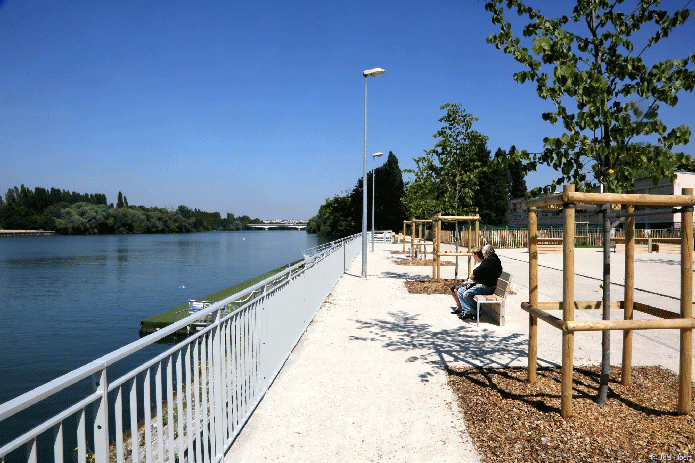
(667, 320)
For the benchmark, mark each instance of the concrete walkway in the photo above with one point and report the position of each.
(367, 381)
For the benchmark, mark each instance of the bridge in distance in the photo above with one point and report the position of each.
(270, 226)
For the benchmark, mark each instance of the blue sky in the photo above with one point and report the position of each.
(254, 107)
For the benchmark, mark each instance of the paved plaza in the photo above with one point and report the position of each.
(367, 380)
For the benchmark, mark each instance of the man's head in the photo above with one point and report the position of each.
(488, 250)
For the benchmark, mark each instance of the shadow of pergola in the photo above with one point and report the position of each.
(439, 349)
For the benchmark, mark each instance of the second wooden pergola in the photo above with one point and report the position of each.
(666, 319)
(473, 240)
(418, 241)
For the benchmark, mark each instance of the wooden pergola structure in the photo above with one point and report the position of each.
(416, 241)
(568, 326)
(437, 253)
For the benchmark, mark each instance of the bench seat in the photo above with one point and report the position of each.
(495, 301)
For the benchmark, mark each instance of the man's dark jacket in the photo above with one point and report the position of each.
(488, 271)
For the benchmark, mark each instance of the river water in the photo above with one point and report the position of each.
(67, 300)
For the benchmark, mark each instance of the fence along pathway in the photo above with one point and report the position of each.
(221, 373)
(513, 238)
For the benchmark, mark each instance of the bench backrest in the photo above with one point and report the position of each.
(503, 284)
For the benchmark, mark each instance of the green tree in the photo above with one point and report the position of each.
(616, 97)
(517, 176)
(606, 97)
(389, 211)
(335, 218)
(447, 176)
(119, 202)
(492, 195)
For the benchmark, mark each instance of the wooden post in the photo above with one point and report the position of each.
(477, 234)
(435, 248)
(404, 222)
(532, 294)
(439, 246)
(470, 241)
(628, 295)
(412, 239)
(686, 360)
(568, 210)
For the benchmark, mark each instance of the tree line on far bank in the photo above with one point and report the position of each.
(72, 213)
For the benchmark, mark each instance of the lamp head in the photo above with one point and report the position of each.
(376, 72)
(376, 155)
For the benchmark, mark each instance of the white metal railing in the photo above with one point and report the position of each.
(206, 387)
(382, 236)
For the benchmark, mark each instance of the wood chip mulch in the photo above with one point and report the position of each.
(512, 420)
(432, 286)
(421, 262)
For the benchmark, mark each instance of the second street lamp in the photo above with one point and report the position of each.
(376, 72)
(374, 156)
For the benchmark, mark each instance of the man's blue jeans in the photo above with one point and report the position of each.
(466, 296)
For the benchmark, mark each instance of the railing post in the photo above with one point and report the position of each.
(101, 417)
(217, 385)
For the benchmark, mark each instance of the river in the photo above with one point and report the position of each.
(67, 300)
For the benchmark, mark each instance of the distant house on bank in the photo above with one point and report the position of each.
(518, 217)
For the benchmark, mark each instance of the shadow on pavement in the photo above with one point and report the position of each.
(468, 344)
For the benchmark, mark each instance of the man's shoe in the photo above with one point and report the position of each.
(467, 316)
(457, 311)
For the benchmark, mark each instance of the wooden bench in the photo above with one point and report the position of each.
(496, 301)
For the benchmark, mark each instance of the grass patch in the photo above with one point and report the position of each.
(150, 325)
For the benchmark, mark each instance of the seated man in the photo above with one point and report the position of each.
(485, 276)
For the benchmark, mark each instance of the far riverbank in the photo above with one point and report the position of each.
(6, 233)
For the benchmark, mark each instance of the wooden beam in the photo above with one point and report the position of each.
(657, 312)
(629, 199)
(453, 218)
(543, 201)
(613, 325)
(543, 315)
(579, 305)
(611, 198)
(646, 240)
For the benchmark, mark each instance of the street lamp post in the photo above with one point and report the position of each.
(374, 156)
(376, 72)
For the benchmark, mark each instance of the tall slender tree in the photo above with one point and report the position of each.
(606, 97)
(447, 176)
(517, 176)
